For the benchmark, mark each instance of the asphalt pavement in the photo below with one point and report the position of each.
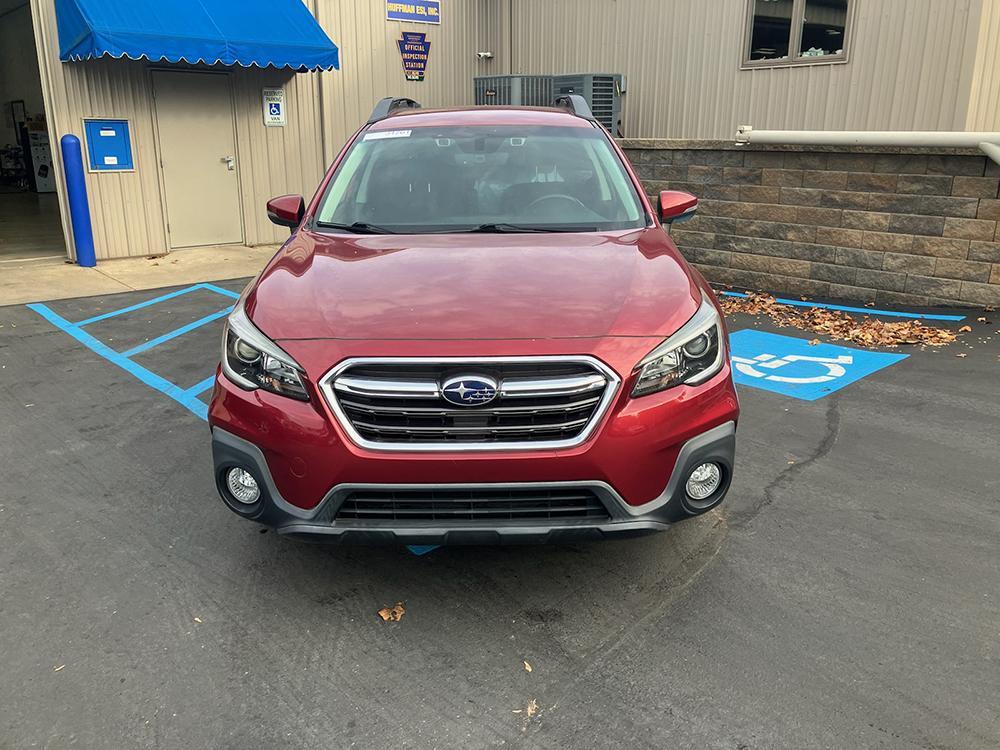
(846, 595)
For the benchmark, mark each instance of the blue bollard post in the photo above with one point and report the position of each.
(79, 206)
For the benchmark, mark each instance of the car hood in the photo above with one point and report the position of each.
(474, 286)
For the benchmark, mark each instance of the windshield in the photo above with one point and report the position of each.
(509, 178)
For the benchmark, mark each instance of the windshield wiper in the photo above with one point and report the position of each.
(358, 227)
(520, 228)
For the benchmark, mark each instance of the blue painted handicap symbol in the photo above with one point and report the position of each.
(792, 367)
(275, 109)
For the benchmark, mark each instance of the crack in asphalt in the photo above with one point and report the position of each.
(674, 585)
(787, 475)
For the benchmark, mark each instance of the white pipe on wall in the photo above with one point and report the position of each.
(992, 150)
(989, 143)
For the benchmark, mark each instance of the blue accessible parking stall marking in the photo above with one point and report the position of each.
(186, 397)
(792, 367)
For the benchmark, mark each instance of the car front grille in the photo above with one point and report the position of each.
(543, 505)
(398, 404)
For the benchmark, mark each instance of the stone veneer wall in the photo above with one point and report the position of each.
(889, 226)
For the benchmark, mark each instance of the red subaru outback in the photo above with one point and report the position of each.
(478, 332)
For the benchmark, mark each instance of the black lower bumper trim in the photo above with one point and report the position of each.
(470, 536)
(622, 521)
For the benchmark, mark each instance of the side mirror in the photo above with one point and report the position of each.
(677, 206)
(286, 210)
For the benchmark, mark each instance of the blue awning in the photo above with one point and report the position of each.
(265, 33)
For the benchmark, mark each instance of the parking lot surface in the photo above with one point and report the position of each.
(847, 593)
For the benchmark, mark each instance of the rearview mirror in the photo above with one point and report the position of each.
(286, 210)
(676, 205)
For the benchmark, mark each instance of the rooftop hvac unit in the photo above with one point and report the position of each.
(516, 91)
(603, 92)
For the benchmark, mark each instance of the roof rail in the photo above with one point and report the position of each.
(575, 105)
(389, 105)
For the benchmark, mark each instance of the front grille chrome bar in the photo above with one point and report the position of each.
(553, 386)
(543, 403)
(388, 388)
(554, 427)
(429, 388)
(352, 406)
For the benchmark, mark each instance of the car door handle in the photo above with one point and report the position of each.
(230, 162)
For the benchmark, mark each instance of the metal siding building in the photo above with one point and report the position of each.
(911, 65)
(323, 109)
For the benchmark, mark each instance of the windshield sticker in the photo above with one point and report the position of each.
(387, 134)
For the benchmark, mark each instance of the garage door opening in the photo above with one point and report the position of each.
(30, 225)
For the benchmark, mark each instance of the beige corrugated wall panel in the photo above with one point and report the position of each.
(125, 206)
(984, 107)
(371, 66)
(279, 160)
(910, 65)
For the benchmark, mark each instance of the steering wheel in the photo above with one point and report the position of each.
(555, 197)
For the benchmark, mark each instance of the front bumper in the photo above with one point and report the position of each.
(320, 523)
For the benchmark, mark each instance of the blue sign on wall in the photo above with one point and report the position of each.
(415, 50)
(109, 145)
(415, 11)
(792, 367)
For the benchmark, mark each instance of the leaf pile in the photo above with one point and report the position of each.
(838, 325)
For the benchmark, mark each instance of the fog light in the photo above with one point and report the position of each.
(242, 486)
(704, 480)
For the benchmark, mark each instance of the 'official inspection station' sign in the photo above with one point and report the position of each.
(415, 50)
(415, 11)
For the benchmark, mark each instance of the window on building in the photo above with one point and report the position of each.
(796, 32)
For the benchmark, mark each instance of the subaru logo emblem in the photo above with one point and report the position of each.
(470, 390)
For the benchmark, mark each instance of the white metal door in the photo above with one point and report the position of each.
(197, 139)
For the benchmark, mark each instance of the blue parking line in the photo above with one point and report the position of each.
(177, 332)
(862, 310)
(178, 394)
(219, 290)
(422, 549)
(130, 308)
(161, 298)
(199, 388)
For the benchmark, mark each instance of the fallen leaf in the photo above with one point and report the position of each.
(963, 355)
(839, 325)
(814, 342)
(982, 320)
(527, 667)
(965, 329)
(60, 668)
(989, 308)
(197, 620)
(392, 614)
(532, 708)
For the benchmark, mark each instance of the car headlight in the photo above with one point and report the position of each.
(690, 356)
(251, 360)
